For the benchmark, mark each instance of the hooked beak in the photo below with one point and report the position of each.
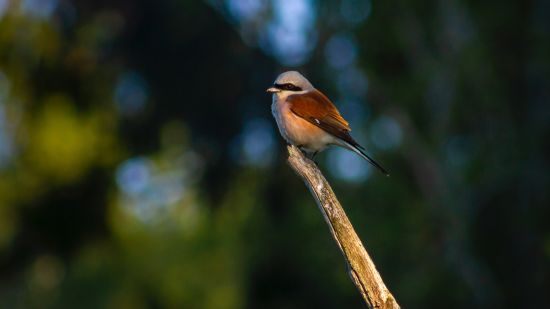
(272, 90)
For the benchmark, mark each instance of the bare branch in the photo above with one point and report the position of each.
(361, 268)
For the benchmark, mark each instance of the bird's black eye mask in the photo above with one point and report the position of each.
(287, 86)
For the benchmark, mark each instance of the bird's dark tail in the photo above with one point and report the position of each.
(357, 149)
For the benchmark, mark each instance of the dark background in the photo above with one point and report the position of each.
(140, 166)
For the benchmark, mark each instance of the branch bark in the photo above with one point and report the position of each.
(360, 266)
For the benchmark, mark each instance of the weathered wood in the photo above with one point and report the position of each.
(360, 266)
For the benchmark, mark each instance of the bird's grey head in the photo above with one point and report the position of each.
(290, 81)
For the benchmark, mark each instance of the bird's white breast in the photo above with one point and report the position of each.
(277, 111)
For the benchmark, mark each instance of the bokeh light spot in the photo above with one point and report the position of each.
(131, 93)
(39, 8)
(133, 175)
(245, 10)
(354, 111)
(352, 82)
(6, 142)
(257, 143)
(348, 166)
(386, 133)
(3, 7)
(341, 51)
(355, 11)
(151, 189)
(292, 33)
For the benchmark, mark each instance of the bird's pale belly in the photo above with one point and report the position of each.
(298, 131)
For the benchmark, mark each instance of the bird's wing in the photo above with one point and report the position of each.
(316, 108)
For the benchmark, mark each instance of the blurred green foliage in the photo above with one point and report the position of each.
(129, 179)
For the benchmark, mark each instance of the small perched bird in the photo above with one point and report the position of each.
(307, 118)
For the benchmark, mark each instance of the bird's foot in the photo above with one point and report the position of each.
(312, 157)
(309, 154)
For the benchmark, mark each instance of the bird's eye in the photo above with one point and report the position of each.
(291, 87)
(288, 87)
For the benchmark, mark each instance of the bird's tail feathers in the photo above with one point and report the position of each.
(358, 149)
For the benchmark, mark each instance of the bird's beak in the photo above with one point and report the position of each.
(272, 90)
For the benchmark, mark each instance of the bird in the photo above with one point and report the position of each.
(306, 118)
